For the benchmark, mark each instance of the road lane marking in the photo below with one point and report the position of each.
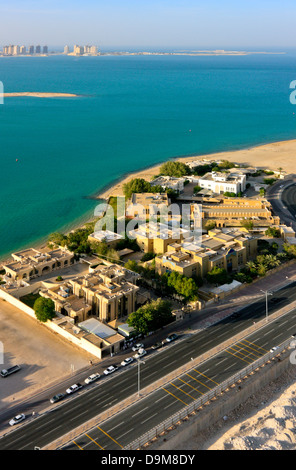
(110, 437)
(182, 391)
(191, 386)
(81, 448)
(198, 381)
(248, 362)
(254, 344)
(206, 376)
(141, 411)
(175, 396)
(94, 441)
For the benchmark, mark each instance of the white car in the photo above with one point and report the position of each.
(137, 347)
(110, 370)
(17, 419)
(140, 353)
(127, 361)
(73, 388)
(92, 378)
(274, 348)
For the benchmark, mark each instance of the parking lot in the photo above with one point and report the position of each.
(44, 357)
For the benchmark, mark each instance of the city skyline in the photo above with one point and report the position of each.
(167, 24)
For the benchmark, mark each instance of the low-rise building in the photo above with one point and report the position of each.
(145, 205)
(169, 182)
(30, 263)
(106, 236)
(230, 250)
(155, 237)
(221, 183)
(231, 211)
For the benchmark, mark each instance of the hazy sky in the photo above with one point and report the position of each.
(150, 23)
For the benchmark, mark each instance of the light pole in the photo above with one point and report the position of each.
(139, 363)
(266, 301)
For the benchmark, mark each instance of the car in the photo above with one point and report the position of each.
(92, 378)
(17, 419)
(137, 346)
(171, 338)
(141, 352)
(127, 361)
(157, 346)
(293, 335)
(57, 397)
(110, 369)
(74, 388)
(274, 348)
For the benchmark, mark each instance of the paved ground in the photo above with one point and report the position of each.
(43, 355)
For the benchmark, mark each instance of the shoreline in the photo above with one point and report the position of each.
(252, 156)
(248, 155)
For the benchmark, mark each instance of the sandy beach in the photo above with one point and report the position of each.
(39, 95)
(270, 156)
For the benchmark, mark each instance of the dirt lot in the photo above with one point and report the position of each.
(43, 355)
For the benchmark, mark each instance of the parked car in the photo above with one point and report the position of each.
(92, 378)
(137, 346)
(74, 388)
(57, 397)
(293, 335)
(9, 371)
(156, 345)
(274, 348)
(171, 338)
(141, 352)
(110, 369)
(17, 419)
(127, 361)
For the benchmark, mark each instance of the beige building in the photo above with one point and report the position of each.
(107, 291)
(230, 250)
(30, 263)
(106, 236)
(145, 205)
(156, 237)
(231, 211)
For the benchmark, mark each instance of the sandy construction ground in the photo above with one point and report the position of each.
(270, 156)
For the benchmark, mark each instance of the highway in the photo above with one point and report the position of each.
(155, 408)
(282, 196)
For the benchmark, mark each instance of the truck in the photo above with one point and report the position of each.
(9, 371)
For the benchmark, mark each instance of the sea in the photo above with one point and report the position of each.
(133, 112)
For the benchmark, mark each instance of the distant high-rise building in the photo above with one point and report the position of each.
(31, 50)
(38, 49)
(5, 50)
(45, 50)
(16, 50)
(78, 50)
(23, 49)
(93, 50)
(66, 50)
(10, 49)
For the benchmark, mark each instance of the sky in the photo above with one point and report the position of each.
(176, 24)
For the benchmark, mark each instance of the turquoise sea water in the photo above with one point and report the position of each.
(135, 112)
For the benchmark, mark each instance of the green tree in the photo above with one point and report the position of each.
(218, 276)
(151, 316)
(176, 169)
(44, 309)
(247, 224)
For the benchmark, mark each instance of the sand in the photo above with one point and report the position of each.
(39, 95)
(268, 156)
(266, 421)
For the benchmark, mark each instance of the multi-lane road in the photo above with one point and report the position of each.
(282, 196)
(126, 426)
